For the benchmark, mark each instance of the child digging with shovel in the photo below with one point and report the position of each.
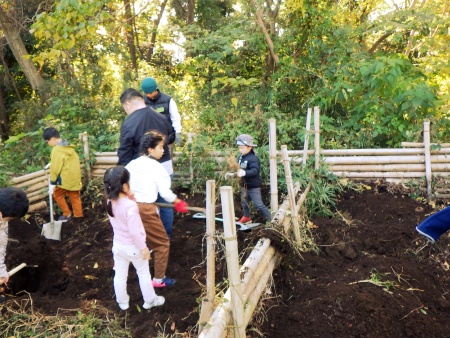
(129, 244)
(13, 204)
(65, 174)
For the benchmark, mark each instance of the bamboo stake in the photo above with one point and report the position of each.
(291, 196)
(273, 165)
(84, 138)
(232, 255)
(308, 128)
(426, 143)
(317, 137)
(209, 301)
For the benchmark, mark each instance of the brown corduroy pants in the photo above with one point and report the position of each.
(74, 196)
(157, 238)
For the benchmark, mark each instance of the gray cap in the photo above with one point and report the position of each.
(245, 140)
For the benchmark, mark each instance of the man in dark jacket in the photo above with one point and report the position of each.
(163, 104)
(249, 173)
(140, 119)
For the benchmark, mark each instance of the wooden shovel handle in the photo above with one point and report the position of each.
(16, 269)
(169, 205)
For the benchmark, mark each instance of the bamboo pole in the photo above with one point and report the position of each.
(260, 287)
(420, 144)
(349, 174)
(37, 206)
(232, 256)
(368, 152)
(37, 197)
(316, 137)
(273, 165)
(28, 176)
(291, 196)
(308, 129)
(35, 187)
(374, 159)
(209, 301)
(426, 143)
(85, 140)
(191, 169)
(386, 167)
(302, 198)
(32, 181)
(281, 212)
(107, 160)
(252, 270)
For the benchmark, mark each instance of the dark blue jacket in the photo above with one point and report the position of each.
(160, 103)
(250, 163)
(134, 127)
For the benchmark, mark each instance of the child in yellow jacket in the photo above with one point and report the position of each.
(65, 174)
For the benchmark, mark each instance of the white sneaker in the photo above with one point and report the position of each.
(158, 301)
(124, 306)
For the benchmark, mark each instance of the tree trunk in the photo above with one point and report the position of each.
(129, 33)
(155, 31)
(12, 34)
(3, 118)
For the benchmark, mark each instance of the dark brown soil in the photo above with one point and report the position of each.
(331, 293)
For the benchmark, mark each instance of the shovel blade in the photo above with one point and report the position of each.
(52, 230)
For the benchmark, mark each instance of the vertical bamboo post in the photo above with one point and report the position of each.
(273, 165)
(191, 169)
(291, 194)
(308, 128)
(317, 137)
(426, 144)
(208, 302)
(84, 139)
(232, 256)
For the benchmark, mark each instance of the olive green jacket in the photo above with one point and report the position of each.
(65, 169)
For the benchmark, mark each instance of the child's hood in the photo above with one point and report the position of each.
(65, 146)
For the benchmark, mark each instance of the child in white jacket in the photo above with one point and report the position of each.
(148, 178)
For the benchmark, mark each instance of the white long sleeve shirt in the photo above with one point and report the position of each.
(148, 178)
(175, 116)
(3, 243)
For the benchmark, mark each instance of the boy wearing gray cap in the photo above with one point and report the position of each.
(250, 179)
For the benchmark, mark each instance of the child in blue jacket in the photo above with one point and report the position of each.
(250, 179)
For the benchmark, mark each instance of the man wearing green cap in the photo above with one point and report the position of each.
(163, 104)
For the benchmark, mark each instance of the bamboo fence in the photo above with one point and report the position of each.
(415, 161)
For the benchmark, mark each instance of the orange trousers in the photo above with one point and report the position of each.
(157, 238)
(74, 197)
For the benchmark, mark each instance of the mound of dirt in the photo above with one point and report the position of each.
(372, 276)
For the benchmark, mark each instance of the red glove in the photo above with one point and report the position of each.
(181, 206)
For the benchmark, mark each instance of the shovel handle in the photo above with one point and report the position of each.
(169, 205)
(16, 269)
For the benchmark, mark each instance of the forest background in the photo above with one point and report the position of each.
(376, 69)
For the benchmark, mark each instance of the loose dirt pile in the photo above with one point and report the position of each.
(373, 275)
